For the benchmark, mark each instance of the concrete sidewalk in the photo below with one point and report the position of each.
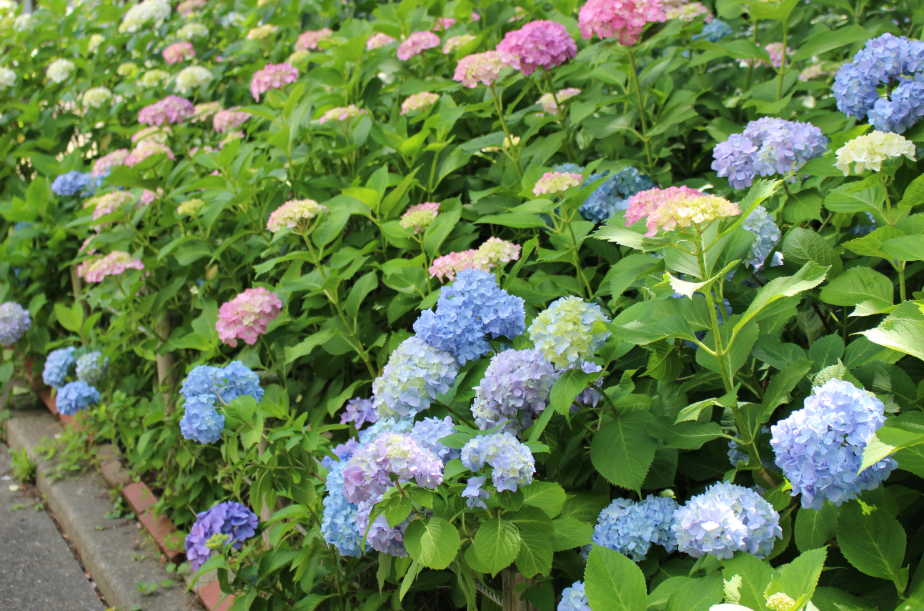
(38, 571)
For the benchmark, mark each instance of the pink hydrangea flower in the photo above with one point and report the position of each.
(775, 49)
(556, 182)
(226, 120)
(247, 316)
(447, 266)
(172, 109)
(443, 23)
(144, 150)
(675, 207)
(481, 68)
(417, 43)
(420, 216)
(113, 264)
(108, 203)
(620, 19)
(341, 113)
(538, 44)
(179, 51)
(419, 102)
(273, 76)
(378, 40)
(548, 100)
(295, 213)
(308, 41)
(104, 164)
(491, 253)
(148, 196)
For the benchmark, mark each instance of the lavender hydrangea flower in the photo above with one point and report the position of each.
(767, 236)
(74, 183)
(428, 433)
(415, 374)
(631, 528)
(389, 458)
(714, 31)
(512, 461)
(92, 367)
(338, 522)
(468, 311)
(725, 519)
(74, 397)
(564, 332)
(574, 598)
(767, 147)
(57, 365)
(819, 448)
(515, 390)
(14, 322)
(381, 537)
(589, 397)
(359, 411)
(228, 518)
(474, 495)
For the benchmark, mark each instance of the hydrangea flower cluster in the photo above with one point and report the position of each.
(867, 152)
(104, 164)
(272, 76)
(419, 102)
(14, 322)
(767, 146)
(484, 68)
(574, 598)
(58, 364)
(766, 236)
(59, 70)
(108, 203)
(420, 217)
(554, 183)
(74, 397)
(564, 332)
(73, 183)
(172, 109)
(96, 97)
(620, 19)
(713, 31)
(190, 207)
(884, 62)
(341, 114)
(178, 52)
(725, 519)
(247, 316)
(153, 78)
(814, 71)
(188, 8)
(226, 120)
(675, 207)
(390, 458)
(819, 448)
(92, 367)
(228, 518)
(631, 528)
(471, 309)
(146, 149)
(457, 42)
(153, 11)
(492, 252)
(262, 31)
(343, 452)
(547, 100)
(296, 213)
(192, 31)
(688, 11)
(417, 43)
(7, 78)
(514, 390)
(381, 537)
(512, 462)
(207, 386)
(359, 411)
(339, 520)
(378, 40)
(192, 77)
(538, 44)
(308, 41)
(613, 195)
(428, 433)
(113, 264)
(415, 374)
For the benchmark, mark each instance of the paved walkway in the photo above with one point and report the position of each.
(38, 572)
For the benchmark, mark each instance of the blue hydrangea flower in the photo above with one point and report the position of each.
(338, 522)
(14, 322)
(92, 367)
(631, 528)
(57, 365)
(513, 463)
(75, 397)
(474, 495)
(343, 452)
(359, 411)
(564, 332)
(725, 519)
(470, 309)
(767, 236)
(884, 61)
(201, 421)
(714, 31)
(574, 598)
(74, 183)
(205, 388)
(819, 448)
(515, 389)
(613, 195)
(229, 518)
(415, 374)
(428, 433)
(767, 147)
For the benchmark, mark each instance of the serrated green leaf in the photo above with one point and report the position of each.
(622, 451)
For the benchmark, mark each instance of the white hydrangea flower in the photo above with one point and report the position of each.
(152, 78)
(97, 97)
(156, 11)
(23, 23)
(59, 70)
(95, 41)
(192, 77)
(7, 78)
(192, 31)
(869, 151)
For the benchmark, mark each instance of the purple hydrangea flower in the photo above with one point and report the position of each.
(473, 494)
(513, 463)
(343, 452)
(631, 528)
(339, 520)
(515, 390)
(14, 322)
(228, 518)
(75, 397)
(819, 448)
(415, 374)
(574, 598)
(389, 458)
(381, 537)
(428, 433)
(359, 411)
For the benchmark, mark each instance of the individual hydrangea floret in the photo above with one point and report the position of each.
(714, 31)
(538, 44)
(414, 375)
(819, 448)
(341, 114)
(613, 194)
(104, 165)
(565, 332)
(113, 264)
(419, 102)
(469, 311)
(455, 43)
(512, 462)
(230, 119)
(767, 147)
(420, 217)
(766, 237)
(359, 412)
(417, 43)
(631, 527)
(96, 97)
(378, 40)
(308, 41)
(92, 367)
(273, 76)
(172, 109)
(867, 152)
(620, 19)
(483, 68)
(59, 70)
(191, 78)
(390, 458)
(247, 316)
(230, 519)
(668, 209)
(58, 364)
(556, 183)
(178, 52)
(295, 214)
(474, 494)
(547, 100)
(74, 397)
(73, 183)
(725, 519)
(14, 322)
(515, 389)
(574, 598)
(149, 11)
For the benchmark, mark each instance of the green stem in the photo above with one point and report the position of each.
(747, 83)
(779, 82)
(633, 73)
(513, 147)
(720, 351)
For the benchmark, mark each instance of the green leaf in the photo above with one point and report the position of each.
(697, 595)
(684, 435)
(769, 349)
(802, 246)
(365, 285)
(899, 332)
(781, 385)
(810, 276)
(433, 542)
(547, 496)
(828, 41)
(899, 433)
(497, 544)
(905, 248)
(858, 285)
(536, 531)
(873, 543)
(622, 451)
(755, 575)
(826, 351)
(571, 383)
(799, 578)
(517, 221)
(613, 582)
(815, 528)
(440, 228)
(846, 199)
(70, 318)
(305, 347)
(570, 533)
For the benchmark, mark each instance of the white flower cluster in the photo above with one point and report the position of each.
(156, 11)
(192, 77)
